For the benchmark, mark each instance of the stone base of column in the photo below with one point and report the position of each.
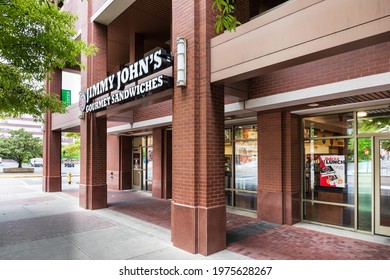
(93, 197)
(52, 184)
(199, 229)
(270, 206)
(157, 189)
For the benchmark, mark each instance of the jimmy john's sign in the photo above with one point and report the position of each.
(113, 90)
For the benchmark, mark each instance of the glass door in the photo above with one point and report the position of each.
(137, 169)
(382, 186)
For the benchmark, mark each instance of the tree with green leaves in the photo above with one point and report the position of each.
(72, 151)
(20, 146)
(225, 19)
(36, 37)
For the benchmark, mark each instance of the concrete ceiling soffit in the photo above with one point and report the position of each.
(110, 10)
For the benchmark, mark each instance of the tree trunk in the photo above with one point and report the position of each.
(20, 164)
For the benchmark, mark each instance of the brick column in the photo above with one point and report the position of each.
(198, 203)
(279, 167)
(118, 162)
(93, 131)
(158, 163)
(168, 164)
(52, 143)
(93, 167)
(292, 172)
(162, 163)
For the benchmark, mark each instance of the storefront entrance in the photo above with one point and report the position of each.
(347, 170)
(142, 163)
(382, 186)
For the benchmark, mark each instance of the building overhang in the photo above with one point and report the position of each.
(110, 10)
(298, 32)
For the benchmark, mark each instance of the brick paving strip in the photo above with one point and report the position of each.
(13, 232)
(283, 242)
(254, 238)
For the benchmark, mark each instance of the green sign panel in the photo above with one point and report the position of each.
(66, 97)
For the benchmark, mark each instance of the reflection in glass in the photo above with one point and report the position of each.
(374, 121)
(241, 166)
(364, 184)
(246, 165)
(246, 200)
(229, 198)
(149, 165)
(329, 170)
(142, 162)
(330, 214)
(329, 125)
(384, 183)
(248, 132)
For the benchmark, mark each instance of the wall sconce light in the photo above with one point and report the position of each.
(181, 45)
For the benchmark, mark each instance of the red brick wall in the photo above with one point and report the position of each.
(198, 114)
(52, 142)
(279, 146)
(93, 131)
(291, 173)
(198, 209)
(270, 151)
(358, 63)
(158, 110)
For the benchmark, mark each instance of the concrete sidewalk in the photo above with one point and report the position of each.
(51, 226)
(37, 225)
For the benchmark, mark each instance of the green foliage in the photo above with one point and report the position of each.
(71, 151)
(225, 17)
(75, 135)
(36, 37)
(20, 146)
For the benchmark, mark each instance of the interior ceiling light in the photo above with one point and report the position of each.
(362, 114)
(313, 105)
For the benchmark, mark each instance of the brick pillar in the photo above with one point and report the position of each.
(162, 163)
(93, 167)
(279, 167)
(292, 173)
(158, 163)
(52, 143)
(93, 131)
(137, 49)
(198, 202)
(118, 162)
(168, 164)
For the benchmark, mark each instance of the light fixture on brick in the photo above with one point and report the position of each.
(181, 59)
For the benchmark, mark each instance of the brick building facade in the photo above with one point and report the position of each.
(272, 120)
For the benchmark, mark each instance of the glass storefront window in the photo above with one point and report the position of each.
(329, 125)
(374, 121)
(139, 141)
(348, 194)
(365, 180)
(330, 214)
(246, 165)
(329, 170)
(248, 132)
(142, 163)
(149, 171)
(246, 200)
(241, 166)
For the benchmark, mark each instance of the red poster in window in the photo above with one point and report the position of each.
(332, 171)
